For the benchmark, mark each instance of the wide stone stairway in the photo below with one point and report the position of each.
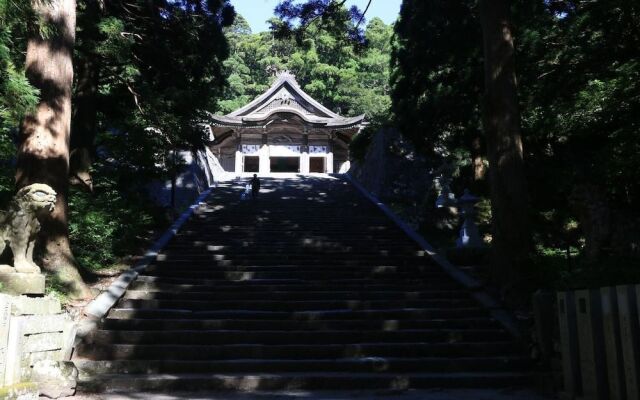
(309, 287)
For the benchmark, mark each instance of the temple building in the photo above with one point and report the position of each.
(283, 130)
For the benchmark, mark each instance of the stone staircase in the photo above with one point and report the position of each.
(310, 287)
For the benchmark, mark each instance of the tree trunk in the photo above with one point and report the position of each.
(43, 153)
(85, 101)
(477, 164)
(511, 242)
(84, 123)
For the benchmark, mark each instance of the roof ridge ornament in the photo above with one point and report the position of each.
(286, 74)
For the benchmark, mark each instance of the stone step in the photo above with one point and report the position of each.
(288, 324)
(289, 293)
(243, 244)
(316, 226)
(338, 249)
(400, 314)
(333, 274)
(363, 294)
(293, 351)
(291, 238)
(358, 365)
(300, 381)
(428, 282)
(300, 259)
(221, 337)
(154, 284)
(415, 266)
(292, 306)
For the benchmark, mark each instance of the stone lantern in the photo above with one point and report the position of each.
(469, 236)
(445, 198)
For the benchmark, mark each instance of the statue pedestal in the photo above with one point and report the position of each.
(17, 283)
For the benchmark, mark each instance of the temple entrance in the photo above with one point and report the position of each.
(285, 164)
(283, 130)
(251, 164)
(316, 164)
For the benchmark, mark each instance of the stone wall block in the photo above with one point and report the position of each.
(55, 378)
(14, 352)
(5, 315)
(17, 283)
(47, 341)
(38, 339)
(20, 391)
(24, 305)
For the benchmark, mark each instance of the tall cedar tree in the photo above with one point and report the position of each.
(43, 153)
(85, 116)
(511, 244)
(501, 121)
(436, 81)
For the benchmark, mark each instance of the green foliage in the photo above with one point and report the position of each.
(578, 78)
(325, 65)
(109, 224)
(17, 96)
(159, 68)
(296, 19)
(437, 75)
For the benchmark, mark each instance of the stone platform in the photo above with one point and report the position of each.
(15, 283)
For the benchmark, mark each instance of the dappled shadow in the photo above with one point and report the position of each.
(307, 287)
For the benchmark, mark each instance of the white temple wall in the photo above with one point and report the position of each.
(316, 153)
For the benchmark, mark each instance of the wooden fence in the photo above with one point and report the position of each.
(600, 342)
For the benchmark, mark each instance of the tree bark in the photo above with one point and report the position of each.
(477, 163)
(43, 153)
(85, 101)
(511, 242)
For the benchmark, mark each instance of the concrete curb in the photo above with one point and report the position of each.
(101, 305)
(476, 287)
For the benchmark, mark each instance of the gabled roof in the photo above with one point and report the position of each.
(285, 96)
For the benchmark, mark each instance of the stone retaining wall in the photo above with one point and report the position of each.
(35, 336)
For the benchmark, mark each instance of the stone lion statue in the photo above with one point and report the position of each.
(19, 225)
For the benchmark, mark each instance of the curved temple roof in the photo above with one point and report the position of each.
(285, 96)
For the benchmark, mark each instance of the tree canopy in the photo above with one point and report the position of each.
(327, 67)
(146, 72)
(578, 91)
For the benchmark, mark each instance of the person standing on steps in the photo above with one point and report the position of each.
(255, 186)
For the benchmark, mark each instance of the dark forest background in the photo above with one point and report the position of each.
(147, 73)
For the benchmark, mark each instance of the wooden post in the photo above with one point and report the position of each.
(629, 331)
(613, 344)
(329, 159)
(542, 303)
(591, 343)
(569, 343)
(239, 161)
(304, 157)
(264, 164)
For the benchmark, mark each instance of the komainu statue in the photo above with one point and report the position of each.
(19, 225)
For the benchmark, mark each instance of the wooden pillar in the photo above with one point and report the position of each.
(304, 157)
(329, 158)
(593, 365)
(613, 343)
(630, 337)
(569, 344)
(265, 164)
(239, 158)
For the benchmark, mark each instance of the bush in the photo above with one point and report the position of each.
(109, 224)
